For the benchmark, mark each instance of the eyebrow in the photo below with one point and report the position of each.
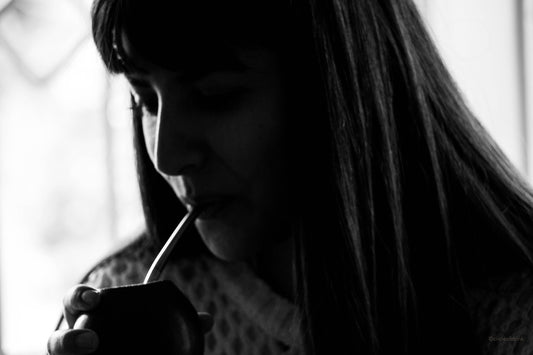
(196, 72)
(192, 66)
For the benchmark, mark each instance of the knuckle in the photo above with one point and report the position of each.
(73, 300)
(70, 297)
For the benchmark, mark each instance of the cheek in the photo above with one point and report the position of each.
(251, 141)
(268, 141)
(267, 165)
(254, 145)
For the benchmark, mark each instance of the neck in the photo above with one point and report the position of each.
(275, 267)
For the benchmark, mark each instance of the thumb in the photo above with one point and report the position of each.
(206, 321)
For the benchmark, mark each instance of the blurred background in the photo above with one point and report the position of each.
(68, 192)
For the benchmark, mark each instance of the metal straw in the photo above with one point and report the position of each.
(154, 273)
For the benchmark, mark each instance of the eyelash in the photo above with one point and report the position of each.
(215, 102)
(148, 105)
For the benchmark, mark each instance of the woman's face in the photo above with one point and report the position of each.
(218, 134)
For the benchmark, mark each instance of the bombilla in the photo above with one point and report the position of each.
(154, 273)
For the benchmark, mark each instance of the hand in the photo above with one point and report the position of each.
(76, 339)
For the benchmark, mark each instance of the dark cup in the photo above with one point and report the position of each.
(155, 318)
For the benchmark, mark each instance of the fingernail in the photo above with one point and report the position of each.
(86, 341)
(90, 297)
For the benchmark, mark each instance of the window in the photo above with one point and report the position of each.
(482, 43)
(67, 180)
(526, 9)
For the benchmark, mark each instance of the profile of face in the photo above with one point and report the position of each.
(218, 133)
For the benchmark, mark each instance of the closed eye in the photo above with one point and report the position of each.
(144, 97)
(213, 91)
(149, 104)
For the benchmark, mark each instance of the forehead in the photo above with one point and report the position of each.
(173, 33)
(190, 63)
(178, 57)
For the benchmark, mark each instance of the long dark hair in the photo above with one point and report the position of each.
(416, 204)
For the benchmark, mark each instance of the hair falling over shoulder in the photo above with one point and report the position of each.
(426, 200)
(422, 205)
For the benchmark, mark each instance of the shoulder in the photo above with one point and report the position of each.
(249, 317)
(127, 265)
(502, 311)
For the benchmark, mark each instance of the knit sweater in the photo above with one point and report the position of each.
(249, 318)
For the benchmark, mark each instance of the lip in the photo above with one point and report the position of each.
(211, 206)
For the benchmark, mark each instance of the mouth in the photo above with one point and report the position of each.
(211, 208)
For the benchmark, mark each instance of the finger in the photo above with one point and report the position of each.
(206, 321)
(80, 298)
(72, 342)
(81, 322)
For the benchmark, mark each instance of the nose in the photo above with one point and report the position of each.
(179, 147)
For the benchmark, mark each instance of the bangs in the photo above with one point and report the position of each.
(178, 33)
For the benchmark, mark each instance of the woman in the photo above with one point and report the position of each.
(343, 175)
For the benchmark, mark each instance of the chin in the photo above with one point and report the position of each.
(227, 254)
(228, 251)
(230, 245)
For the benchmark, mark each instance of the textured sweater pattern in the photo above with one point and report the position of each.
(251, 319)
